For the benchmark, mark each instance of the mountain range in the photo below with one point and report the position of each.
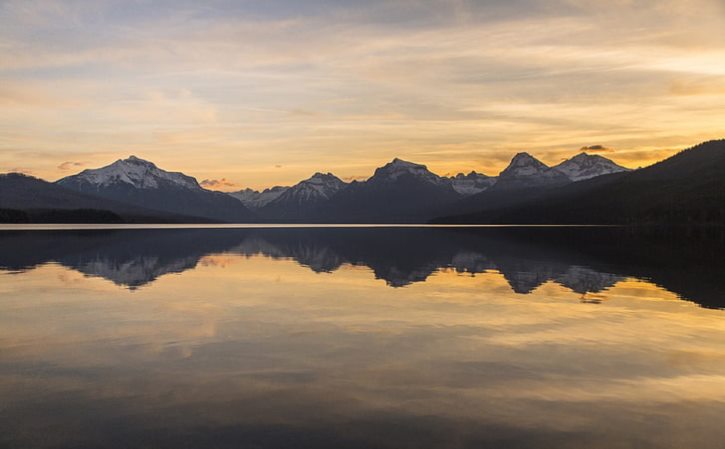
(406, 192)
(686, 188)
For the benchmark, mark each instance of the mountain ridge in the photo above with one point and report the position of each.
(687, 188)
(35, 200)
(586, 166)
(298, 200)
(141, 183)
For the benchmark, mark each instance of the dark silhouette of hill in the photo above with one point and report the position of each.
(406, 198)
(688, 188)
(25, 199)
(59, 216)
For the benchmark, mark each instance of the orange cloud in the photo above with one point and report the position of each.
(67, 165)
(297, 101)
(597, 149)
(217, 183)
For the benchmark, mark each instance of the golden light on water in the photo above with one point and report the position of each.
(280, 329)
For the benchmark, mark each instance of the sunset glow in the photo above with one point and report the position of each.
(255, 94)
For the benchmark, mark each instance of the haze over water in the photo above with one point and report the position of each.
(361, 338)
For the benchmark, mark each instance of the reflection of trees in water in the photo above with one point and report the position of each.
(585, 261)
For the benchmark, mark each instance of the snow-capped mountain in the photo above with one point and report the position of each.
(134, 172)
(43, 200)
(524, 165)
(255, 199)
(526, 171)
(319, 187)
(301, 199)
(586, 166)
(141, 183)
(464, 184)
(397, 168)
(471, 183)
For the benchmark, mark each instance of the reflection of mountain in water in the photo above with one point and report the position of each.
(582, 260)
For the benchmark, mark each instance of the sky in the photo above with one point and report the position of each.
(261, 93)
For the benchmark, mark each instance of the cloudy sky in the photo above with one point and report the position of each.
(257, 93)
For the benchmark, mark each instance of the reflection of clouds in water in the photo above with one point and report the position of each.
(70, 277)
(220, 356)
(266, 336)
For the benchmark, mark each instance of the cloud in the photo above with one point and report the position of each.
(597, 149)
(217, 183)
(67, 165)
(456, 84)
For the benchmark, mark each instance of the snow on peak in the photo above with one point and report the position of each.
(585, 166)
(137, 172)
(322, 177)
(524, 165)
(255, 199)
(525, 171)
(471, 183)
(398, 167)
(137, 160)
(323, 183)
(319, 186)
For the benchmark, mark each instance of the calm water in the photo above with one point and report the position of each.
(361, 338)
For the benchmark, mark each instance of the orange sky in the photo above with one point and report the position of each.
(266, 93)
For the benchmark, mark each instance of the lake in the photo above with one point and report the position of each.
(362, 337)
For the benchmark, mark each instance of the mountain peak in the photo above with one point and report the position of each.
(524, 158)
(254, 199)
(399, 167)
(523, 154)
(583, 156)
(320, 175)
(586, 166)
(320, 186)
(471, 183)
(131, 172)
(525, 171)
(322, 178)
(137, 161)
(302, 197)
(400, 163)
(522, 165)
(471, 175)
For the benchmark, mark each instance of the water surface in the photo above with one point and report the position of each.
(361, 338)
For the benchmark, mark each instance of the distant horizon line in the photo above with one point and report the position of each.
(141, 226)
